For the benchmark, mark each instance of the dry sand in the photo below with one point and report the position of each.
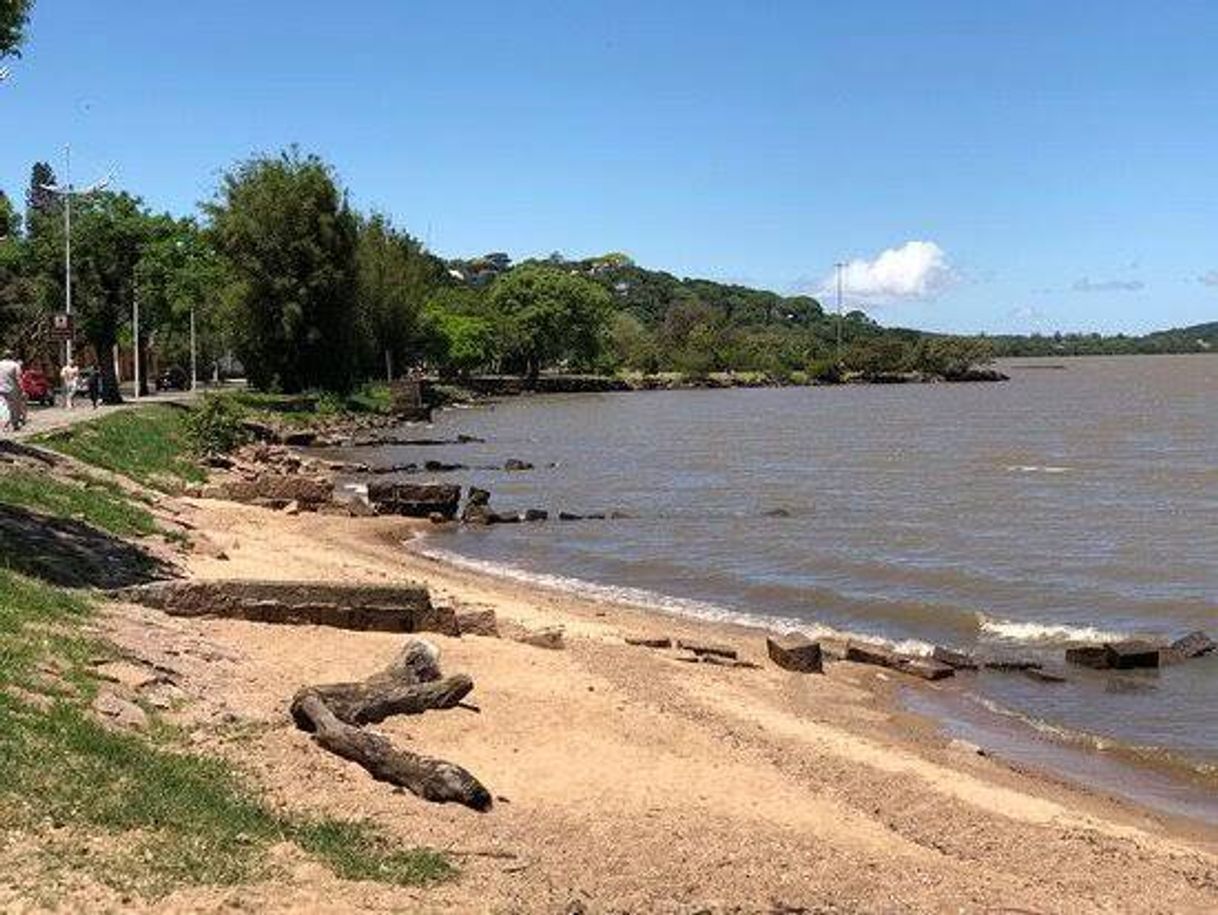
(629, 781)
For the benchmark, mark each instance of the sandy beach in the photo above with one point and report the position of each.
(629, 781)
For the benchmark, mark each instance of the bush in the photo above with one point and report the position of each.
(215, 427)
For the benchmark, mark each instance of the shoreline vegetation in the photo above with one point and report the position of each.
(181, 781)
(286, 284)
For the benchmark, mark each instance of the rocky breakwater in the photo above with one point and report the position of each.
(273, 476)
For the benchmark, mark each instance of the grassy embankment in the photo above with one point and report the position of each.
(136, 811)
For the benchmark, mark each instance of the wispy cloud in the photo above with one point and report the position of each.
(915, 270)
(1088, 285)
(1209, 279)
(1027, 313)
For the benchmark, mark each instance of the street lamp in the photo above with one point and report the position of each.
(67, 192)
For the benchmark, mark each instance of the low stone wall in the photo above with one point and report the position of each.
(399, 608)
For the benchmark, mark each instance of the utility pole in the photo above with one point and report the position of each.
(840, 267)
(136, 322)
(194, 364)
(67, 192)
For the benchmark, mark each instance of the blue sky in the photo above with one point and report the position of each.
(1057, 163)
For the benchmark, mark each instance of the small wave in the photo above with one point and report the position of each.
(1055, 633)
(643, 599)
(1036, 468)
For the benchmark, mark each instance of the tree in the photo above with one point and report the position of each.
(40, 204)
(10, 221)
(550, 315)
(395, 275)
(290, 239)
(14, 14)
(109, 233)
(180, 274)
(876, 357)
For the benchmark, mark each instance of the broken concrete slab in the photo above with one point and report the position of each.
(795, 652)
(384, 608)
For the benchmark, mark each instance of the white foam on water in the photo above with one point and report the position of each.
(1051, 633)
(1036, 468)
(643, 599)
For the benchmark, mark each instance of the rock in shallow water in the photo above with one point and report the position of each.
(795, 651)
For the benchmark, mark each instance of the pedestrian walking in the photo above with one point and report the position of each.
(70, 376)
(10, 390)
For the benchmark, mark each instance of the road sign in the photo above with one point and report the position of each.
(61, 326)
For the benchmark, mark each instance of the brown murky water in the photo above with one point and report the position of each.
(1069, 505)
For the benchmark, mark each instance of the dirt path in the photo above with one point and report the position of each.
(632, 782)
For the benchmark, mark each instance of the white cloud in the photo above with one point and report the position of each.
(915, 270)
(1209, 279)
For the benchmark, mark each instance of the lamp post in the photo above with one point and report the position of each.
(67, 192)
(840, 266)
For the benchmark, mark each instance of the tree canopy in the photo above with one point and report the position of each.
(14, 14)
(290, 240)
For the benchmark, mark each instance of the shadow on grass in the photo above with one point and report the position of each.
(12, 449)
(73, 554)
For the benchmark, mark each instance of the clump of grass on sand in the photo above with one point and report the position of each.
(136, 815)
(148, 444)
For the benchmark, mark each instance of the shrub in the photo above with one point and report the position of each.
(215, 427)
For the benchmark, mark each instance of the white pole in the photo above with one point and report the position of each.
(194, 370)
(67, 243)
(839, 312)
(137, 345)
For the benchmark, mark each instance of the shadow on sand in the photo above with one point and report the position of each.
(73, 554)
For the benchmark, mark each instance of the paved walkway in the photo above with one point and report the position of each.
(48, 419)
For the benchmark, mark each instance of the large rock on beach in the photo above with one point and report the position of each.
(795, 651)
(1193, 645)
(414, 500)
(876, 655)
(1127, 655)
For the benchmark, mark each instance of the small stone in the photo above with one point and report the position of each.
(292, 508)
(649, 642)
(703, 648)
(953, 658)
(966, 746)
(551, 637)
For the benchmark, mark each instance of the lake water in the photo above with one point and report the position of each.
(1071, 504)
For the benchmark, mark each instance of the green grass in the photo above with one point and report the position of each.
(165, 818)
(148, 444)
(87, 500)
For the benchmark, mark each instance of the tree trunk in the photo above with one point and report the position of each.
(430, 779)
(109, 376)
(410, 685)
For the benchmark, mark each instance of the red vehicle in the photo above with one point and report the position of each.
(36, 388)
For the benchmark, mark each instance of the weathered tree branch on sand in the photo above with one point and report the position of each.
(370, 703)
(410, 685)
(429, 778)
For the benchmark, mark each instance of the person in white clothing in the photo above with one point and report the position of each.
(10, 390)
(70, 376)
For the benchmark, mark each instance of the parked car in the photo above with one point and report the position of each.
(173, 378)
(36, 388)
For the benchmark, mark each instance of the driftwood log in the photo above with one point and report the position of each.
(411, 685)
